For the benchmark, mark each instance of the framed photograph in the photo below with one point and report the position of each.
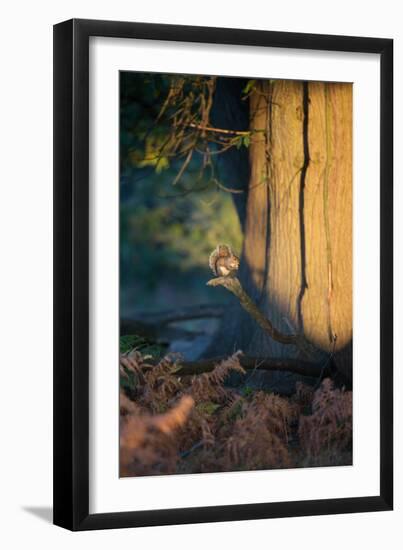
(223, 318)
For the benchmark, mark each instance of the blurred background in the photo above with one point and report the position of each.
(168, 228)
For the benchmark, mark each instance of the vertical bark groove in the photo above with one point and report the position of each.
(305, 128)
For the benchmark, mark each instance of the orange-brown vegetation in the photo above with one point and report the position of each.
(188, 424)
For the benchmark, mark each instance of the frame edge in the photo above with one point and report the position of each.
(63, 405)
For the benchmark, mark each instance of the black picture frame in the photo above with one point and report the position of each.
(71, 274)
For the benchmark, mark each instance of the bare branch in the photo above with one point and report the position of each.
(219, 130)
(233, 285)
(296, 366)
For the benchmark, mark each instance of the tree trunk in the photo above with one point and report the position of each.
(296, 261)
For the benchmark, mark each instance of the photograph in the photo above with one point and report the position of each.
(235, 251)
(201, 240)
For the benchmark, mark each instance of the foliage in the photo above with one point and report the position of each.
(178, 235)
(327, 431)
(189, 424)
(128, 343)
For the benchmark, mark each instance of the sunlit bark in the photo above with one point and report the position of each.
(297, 254)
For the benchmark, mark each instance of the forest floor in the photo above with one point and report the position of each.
(173, 424)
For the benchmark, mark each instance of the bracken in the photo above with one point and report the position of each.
(188, 424)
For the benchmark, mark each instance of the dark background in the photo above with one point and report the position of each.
(167, 229)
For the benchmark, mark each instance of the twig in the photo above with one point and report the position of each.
(183, 167)
(189, 451)
(220, 130)
(250, 374)
(326, 365)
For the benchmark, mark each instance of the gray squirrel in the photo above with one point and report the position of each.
(223, 262)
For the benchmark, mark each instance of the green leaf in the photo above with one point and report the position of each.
(249, 86)
(128, 381)
(148, 349)
(247, 391)
(129, 342)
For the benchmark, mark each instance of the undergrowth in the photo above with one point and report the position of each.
(188, 424)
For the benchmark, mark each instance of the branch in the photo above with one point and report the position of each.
(290, 365)
(219, 130)
(233, 285)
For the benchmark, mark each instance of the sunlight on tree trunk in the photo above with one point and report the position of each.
(299, 262)
(297, 252)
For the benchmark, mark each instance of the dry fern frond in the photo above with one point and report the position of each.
(303, 397)
(260, 435)
(158, 385)
(127, 406)
(187, 424)
(147, 445)
(209, 385)
(165, 368)
(176, 417)
(135, 362)
(327, 433)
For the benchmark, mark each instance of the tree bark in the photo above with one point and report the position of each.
(296, 262)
